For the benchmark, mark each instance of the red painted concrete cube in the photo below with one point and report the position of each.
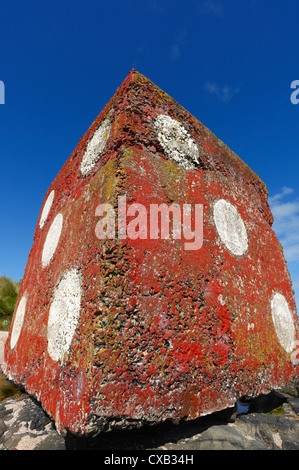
(155, 287)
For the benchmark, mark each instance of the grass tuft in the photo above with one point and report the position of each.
(9, 291)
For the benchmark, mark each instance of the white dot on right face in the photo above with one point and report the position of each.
(52, 239)
(46, 209)
(230, 227)
(283, 322)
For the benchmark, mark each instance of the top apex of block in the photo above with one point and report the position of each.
(141, 115)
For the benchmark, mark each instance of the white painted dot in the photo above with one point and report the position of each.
(52, 240)
(230, 227)
(46, 209)
(176, 142)
(18, 322)
(283, 322)
(64, 314)
(95, 147)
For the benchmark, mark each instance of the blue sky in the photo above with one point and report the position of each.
(230, 63)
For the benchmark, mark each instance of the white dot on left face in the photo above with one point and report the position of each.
(176, 141)
(283, 322)
(95, 147)
(46, 209)
(18, 322)
(52, 240)
(64, 314)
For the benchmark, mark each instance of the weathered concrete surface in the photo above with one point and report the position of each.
(25, 426)
(118, 332)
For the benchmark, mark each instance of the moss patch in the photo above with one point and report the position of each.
(277, 411)
(8, 389)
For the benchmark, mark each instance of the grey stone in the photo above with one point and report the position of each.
(52, 442)
(3, 427)
(291, 389)
(294, 402)
(25, 425)
(276, 431)
(223, 437)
